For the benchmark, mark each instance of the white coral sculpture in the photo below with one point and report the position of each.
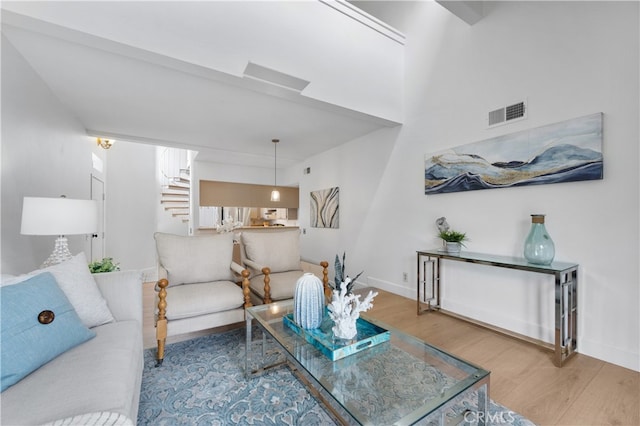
(345, 309)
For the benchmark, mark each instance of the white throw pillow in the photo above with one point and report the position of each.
(279, 250)
(4, 278)
(77, 283)
(195, 259)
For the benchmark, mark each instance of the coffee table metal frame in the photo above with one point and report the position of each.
(269, 319)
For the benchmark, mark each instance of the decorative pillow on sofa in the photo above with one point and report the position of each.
(75, 279)
(38, 323)
(195, 259)
(279, 250)
(77, 283)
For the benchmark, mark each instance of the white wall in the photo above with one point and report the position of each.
(132, 203)
(568, 59)
(45, 153)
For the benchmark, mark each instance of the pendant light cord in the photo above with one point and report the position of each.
(275, 161)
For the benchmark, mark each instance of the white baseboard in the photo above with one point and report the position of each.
(612, 354)
(543, 332)
(390, 287)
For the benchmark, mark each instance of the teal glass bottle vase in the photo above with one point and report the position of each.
(538, 247)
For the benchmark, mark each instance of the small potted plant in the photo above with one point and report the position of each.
(453, 239)
(104, 265)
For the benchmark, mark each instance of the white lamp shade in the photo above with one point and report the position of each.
(58, 216)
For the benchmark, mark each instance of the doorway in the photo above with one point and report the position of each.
(97, 240)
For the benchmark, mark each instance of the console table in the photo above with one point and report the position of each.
(566, 292)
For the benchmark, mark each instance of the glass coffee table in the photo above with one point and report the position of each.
(402, 381)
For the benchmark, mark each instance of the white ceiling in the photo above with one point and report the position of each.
(122, 91)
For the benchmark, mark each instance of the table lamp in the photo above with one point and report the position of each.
(58, 216)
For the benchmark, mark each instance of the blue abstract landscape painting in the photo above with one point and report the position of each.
(568, 151)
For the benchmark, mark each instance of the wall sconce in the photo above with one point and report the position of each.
(105, 143)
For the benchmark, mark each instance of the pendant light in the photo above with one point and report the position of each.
(275, 194)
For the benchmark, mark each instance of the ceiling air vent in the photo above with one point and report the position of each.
(507, 114)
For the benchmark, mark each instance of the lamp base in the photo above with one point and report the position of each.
(60, 252)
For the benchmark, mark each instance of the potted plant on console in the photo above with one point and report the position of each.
(453, 240)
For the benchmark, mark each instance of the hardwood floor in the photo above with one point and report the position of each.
(586, 391)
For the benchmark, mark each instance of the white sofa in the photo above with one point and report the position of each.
(96, 382)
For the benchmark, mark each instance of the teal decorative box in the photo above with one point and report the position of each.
(333, 348)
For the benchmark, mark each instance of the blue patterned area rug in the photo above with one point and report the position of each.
(201, 382)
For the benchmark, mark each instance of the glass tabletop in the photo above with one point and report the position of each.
(504, 261)
(395, 382)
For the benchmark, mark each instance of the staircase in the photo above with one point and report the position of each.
(175, 196)
(176, 187)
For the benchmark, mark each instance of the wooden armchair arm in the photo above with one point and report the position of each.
(325, 282)
(325, 279)
(267, 280)
(237, 268)
(161, 321)
(244, 282)
(267, 285)
(245, 288)
(253, 265)
(266, 271)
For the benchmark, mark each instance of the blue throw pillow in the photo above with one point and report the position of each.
(37, 323)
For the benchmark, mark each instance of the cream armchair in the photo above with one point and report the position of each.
(273, 259)
(198, 287)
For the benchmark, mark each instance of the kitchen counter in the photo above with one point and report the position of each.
(267, 227)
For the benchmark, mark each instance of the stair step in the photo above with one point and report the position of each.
(176, 207)
(176, 195)
(179, 183)
(175, 202)
(181, 180)
(171, 201)
(178, 187)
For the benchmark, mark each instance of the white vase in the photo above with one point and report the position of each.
(453, 247)
(308, 302)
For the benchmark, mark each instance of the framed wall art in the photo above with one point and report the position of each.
(325, 208)
(568, 151)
